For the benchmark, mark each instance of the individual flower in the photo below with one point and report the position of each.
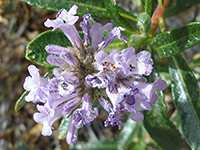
(63, 17)
(137, 64)
(84, 72)
(47, 117)
(85, 115)
(115, 33)
(36, 86)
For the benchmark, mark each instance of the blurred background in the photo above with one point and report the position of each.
(19, 24)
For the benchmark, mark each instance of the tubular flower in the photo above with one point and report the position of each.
(85, 72)
(126, 89)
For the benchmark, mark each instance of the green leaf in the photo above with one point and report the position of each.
(112, 9)
(94, 7)
(161, 129)
(149, 6)
(158, 124)
(63, 128)
(136, 40)
(177, 6)
(186, 99)
(127, 134)
(36, 52)
(99, 145)
(21, 101)
(144, 22)
(162, 65)
(173, 42)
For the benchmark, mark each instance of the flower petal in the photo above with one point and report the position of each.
(138, 116)
(54, 60)
(97, 31)
(55, 49)
(72, 132)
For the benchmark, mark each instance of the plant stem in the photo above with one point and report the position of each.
(157, 15)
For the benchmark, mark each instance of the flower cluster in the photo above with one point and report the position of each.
(85, 73)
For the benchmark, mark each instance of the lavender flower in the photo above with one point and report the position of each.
(36, 86)
(63, 17)
(115, 33)
(85, 72)
(85, 24)
(126, 91)
(85, 115)
(47, 117)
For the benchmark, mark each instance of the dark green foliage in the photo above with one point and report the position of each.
(173, 42)
(158, 124)
(94, 7)
(149, 6)
(186, 99)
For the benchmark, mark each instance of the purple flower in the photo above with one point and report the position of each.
(85, 115)
(65, 60)
(149, 89)
(72, 132)
(36, 86)
(121, 75)
(97, 31)
(47, 117)
(65, 21)
(104, 103)
(96, 81)
(63, 17)
(85, 73)
(66, 92)
(137, 64)
(85, 24)
(113, 119)
(115, 33)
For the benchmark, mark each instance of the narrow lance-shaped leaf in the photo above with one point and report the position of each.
(149, 6)
(158, 125)
(173, 42)
(112, 9)
(21, 101)
(36, 52)
(94, 7)
(186, 99)
(127, 134)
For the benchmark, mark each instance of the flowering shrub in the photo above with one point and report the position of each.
(115, 80)
(122, 80)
